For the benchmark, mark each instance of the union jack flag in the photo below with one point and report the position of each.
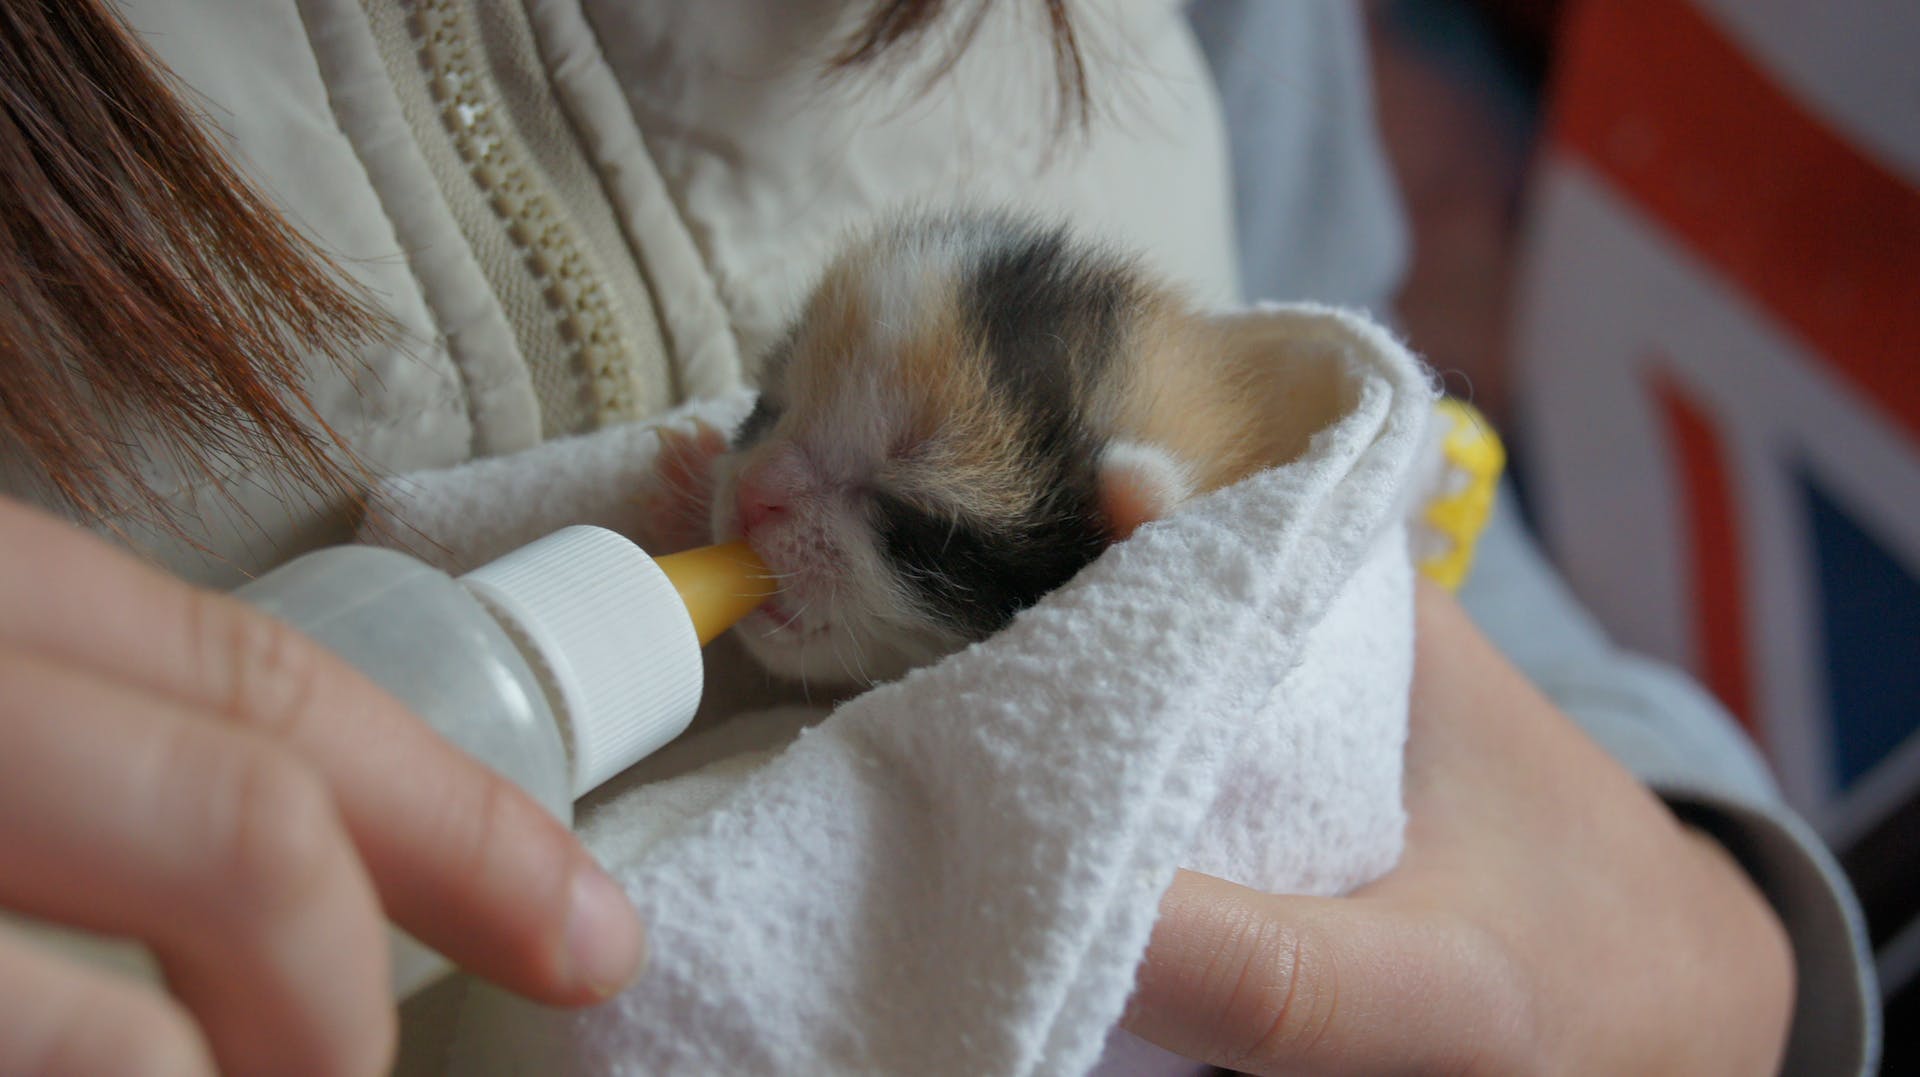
(1718, 353)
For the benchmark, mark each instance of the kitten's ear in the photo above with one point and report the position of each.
(1139, 482)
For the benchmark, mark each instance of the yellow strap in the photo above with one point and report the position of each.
(1459, 510)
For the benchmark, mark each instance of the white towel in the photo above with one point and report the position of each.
(957, 873)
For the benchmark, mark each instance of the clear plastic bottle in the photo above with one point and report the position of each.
(558, 665)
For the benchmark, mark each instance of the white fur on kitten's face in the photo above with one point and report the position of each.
(840, 616)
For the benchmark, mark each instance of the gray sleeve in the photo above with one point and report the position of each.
(1315, 211)
(1677, 739)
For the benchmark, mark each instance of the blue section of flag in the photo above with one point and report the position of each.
(1870, 624)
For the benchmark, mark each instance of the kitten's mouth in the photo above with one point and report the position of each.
(775, 621)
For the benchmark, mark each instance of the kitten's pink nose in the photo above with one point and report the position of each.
(758, 503)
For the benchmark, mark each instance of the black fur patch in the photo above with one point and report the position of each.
(1048, 318)
(975, 577)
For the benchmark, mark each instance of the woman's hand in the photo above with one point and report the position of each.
(178, 768)
(1549, 916)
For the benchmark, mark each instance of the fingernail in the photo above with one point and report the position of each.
(605, 944)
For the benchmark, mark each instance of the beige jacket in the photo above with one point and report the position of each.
(585, 211)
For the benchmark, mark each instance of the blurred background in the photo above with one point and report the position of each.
(1672, 248)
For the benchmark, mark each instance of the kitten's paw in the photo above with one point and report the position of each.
(678, 499)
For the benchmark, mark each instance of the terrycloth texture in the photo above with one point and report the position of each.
(461, 517)
(957, 872)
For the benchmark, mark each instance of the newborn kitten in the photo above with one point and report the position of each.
(967, 411)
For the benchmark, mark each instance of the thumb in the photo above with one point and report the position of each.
(1264, 983)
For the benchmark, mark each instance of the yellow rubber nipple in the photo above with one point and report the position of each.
(719, 584)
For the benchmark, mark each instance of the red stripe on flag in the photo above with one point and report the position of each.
(1663, 104)
(1715, 556)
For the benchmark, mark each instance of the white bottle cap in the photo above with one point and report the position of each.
(610, 638)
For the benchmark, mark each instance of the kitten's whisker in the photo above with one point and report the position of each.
(859, 658)
(789, 622)
(834, 638)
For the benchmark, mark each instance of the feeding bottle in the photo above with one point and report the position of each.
(558, 665)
